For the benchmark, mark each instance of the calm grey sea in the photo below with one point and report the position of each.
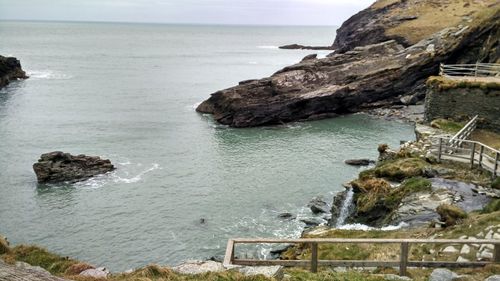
(127, 92)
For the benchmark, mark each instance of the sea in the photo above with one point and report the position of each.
(184, 184)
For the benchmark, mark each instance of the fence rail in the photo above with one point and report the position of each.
(403, 263)
(464, 133)
(476, 70)
(472, 152)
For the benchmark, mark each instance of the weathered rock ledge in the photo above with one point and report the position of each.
(363, 77)
(302, 47)
(10, 69)
(57, 167)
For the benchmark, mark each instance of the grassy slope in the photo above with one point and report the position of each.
(434, 15)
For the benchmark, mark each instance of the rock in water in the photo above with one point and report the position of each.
(58, 166)
(359, 162)
(10, 69)
(318, 205)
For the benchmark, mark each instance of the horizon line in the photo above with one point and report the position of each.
(166, 23)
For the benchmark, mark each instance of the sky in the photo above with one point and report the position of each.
(246, 12)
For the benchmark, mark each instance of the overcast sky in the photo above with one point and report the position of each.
(270, 12)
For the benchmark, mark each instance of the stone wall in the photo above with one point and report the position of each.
(462, 101)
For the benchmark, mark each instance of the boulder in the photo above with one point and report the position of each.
(359, 162)
(58, 166)
(100, 272)
(310, 57)
(318, 205)
(287, 216)
(442, 274)
(310, 222)
(493, 278)
(198, 267)
(268, 271)
(10, 69)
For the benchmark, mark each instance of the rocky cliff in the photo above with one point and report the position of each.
(10, 69)
(381, 60)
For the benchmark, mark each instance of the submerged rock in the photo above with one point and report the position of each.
(359, 162)
(10, 69)
(58, 166)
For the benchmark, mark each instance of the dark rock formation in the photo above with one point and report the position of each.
(57, 166)
(318, 205)
(287, 216)
(10, 69)
(359, 162)
(361, 78)
(302, 47)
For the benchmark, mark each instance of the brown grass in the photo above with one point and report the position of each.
(434, 16)
(489, 138)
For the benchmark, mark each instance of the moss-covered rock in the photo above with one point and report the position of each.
(496, 183)
(4, 245)
(400, 169)
(37, 256)
(451, 214)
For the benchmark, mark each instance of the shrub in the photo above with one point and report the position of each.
(4, 246)
(450, 214)
(37, 256)
(496, 183)
(492, 206)
(401, 169)
(77, 268)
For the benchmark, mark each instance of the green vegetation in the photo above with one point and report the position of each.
(496, 183)
(493, 206)
(4, 246)
(448, 125)
(451, 214)
(401, 169)
(303, 275)
(40, 257)
(442, 83)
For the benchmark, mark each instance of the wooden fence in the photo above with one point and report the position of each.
(472, 152)
(403, 263)
(476, 70)
(464, 133)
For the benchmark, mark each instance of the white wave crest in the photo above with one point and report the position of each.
(358, 226)
(138, 177)
(268, 47)
(48, 74)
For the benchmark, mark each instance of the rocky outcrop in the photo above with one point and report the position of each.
(10, 69)
(25, 272)
(302, 47)
(57, 166)
(363, 77)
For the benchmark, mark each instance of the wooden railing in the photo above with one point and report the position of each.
(472, 152)
(403, 263)
(475, 70)
(464, 133)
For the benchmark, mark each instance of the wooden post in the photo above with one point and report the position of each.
(472, 155)
(481, 151)
(475, 72)
(229, 256)
(439, 149)
(314, 257)
(403, 263)
(441, 71)
(496, 253)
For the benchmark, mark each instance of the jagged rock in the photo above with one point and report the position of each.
(484, 255)
(10, 69)
(318, 205)
(57, 166)
(277, 250)
(465, 249)
(198, 267)
(493, 278)
(100, 272)
(359, 162)
(460, 259)
(450, 250)
(25, 272)
(29, 267)
(442, 274)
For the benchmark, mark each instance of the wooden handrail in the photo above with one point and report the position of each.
(313, 263)
(465, 132)
(476, 70)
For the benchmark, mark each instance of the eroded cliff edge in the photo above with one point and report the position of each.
(369, 71)
(10, 69)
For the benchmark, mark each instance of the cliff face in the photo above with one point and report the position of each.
(406, 21)
(10, 69)
(361, 77)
